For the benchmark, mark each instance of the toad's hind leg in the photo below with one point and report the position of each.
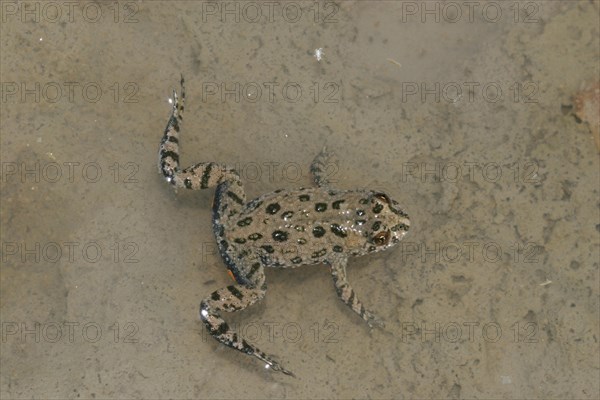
(323, 168)
(202, 175)
(234, 298)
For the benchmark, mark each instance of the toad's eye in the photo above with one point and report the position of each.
(382, 238)
(382, 197)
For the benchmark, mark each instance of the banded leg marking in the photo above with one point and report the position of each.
(201, 175)
(168, 153)
(229, 299)
(346, 293)
(319, 166)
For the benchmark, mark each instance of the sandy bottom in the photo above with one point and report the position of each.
(464, 115)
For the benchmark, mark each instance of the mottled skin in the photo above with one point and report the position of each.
(285, 228)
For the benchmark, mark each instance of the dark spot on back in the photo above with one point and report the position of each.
(318, 231)
(287, 214)
(319, 253)
(336, 204)
(269, 249)
(402, 213)
(320, 207)
(400, 227)
(280, 236)
(338, 230)
(273, 208)
(244, 222)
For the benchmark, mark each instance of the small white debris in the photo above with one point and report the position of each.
(395, 62)
(548, 281)
(319, 53)
(170, 100)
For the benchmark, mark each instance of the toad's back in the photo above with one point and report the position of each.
(307, 226)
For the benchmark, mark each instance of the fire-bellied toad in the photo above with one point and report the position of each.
(285, 228)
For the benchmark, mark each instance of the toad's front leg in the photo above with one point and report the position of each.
(234, 298)
(346, 293)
